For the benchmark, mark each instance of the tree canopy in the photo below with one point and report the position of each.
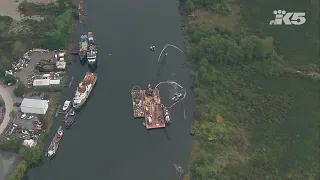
(247, 104)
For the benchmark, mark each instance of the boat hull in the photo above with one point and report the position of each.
(53, 146)
(79, 104)
(92, 62)
(82, 57)
(69, 122)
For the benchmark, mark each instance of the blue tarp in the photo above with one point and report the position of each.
(84, 38)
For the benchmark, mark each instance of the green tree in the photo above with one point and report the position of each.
(31, 155)
(10, 79)
(18, 49)
(188, 7)
(19, 172)
(20, 90)
(10, 144)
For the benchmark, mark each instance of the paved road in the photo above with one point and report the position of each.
(106, 142)
(7, 98)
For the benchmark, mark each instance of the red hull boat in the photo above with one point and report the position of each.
(59, 136)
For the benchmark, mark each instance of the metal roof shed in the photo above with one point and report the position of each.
(34, 106)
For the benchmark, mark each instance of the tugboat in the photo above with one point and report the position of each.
(54, 145)
(59, 135)
(66, 105)
(70, 118)
(92, 50)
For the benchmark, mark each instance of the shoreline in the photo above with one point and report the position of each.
(23, 164)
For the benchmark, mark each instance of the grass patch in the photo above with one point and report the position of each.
(5, 22)
(254, 119)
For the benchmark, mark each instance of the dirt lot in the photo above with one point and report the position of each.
(10, 8)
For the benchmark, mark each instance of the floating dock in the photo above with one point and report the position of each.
(153, 110)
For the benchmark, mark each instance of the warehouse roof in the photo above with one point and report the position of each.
(34, 103)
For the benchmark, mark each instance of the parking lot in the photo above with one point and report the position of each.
(34, 95)
(35, 57)
(25, 127)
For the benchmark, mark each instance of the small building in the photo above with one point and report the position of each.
(34, 106)
(45, 82)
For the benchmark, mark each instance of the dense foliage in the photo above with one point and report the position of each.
(10, 79)
(254, 119)
(53, 32)
(20, 90)
(19, 172)
(5, 22)
(59, 38)
(11, 144)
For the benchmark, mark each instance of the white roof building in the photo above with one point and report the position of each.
(34, 106)
(46, 82)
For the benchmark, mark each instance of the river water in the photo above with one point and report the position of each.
(106, 142)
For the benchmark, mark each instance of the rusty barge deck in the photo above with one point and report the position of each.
(153, 110)
(137, 102)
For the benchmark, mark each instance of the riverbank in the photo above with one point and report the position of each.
(252, 114)
(58, 36)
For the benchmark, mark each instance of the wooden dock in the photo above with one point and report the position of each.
(81, 11)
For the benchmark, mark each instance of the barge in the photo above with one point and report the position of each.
(137, 102)
(153, 109)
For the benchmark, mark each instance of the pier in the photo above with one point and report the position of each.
(81, 11)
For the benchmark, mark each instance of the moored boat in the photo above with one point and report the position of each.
(70, 118)
(167, 118)
(54, 145)
(92, 49)
(83, 46)
(46, 68)
(59, 136)
(66, 105)
(84, 89)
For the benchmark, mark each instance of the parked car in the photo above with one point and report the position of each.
(23, 116)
